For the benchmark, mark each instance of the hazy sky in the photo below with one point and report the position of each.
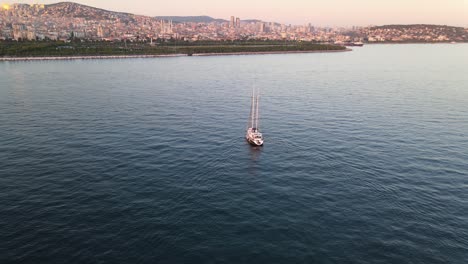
(317, 12)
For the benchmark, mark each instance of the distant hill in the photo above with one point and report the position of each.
(417, 26)
(251, 20)
(70, 9)
(201, 19)
(195, 19)
(418, 33)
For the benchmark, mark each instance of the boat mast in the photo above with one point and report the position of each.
(256, 111)
(252, 110)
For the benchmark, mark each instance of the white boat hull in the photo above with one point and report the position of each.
(254, 137)
(254, 143)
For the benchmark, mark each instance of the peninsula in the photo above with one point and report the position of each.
(14, 50)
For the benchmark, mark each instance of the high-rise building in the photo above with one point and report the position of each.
(262, 27)
(162, 26)
(100, 32)
(20, 32)
(231, 25)
(237, 22)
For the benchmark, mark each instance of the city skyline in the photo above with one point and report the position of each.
(358, 12)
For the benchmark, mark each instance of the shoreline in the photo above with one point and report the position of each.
(91, 57)
(269, 52)
(425, 43)
(84, 57)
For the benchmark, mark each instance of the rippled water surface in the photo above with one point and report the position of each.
(144, 160)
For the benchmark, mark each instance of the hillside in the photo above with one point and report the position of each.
(70, 9)
(196, 19)
(417, 32)
(416, 26)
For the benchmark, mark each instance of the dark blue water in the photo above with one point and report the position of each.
(145, 161)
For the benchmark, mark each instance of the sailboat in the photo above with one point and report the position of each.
(253, 135)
